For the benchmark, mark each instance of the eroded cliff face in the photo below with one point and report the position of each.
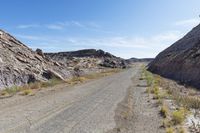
(21, 65)
(181, 61)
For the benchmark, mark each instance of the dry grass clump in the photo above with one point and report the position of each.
(149, 78)
(27, 92)
(4, 93)
(76, 80)
(36, 85)
(179, 116)
(51, 82)
(188, 101)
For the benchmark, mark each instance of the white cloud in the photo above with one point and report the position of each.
(188, 22)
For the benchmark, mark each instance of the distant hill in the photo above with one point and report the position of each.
(181, 61)
(81, 53)
(87, 58)
(133, 60)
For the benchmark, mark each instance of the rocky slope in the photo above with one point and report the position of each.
(20, 65)
(181, 61)
(88, 59)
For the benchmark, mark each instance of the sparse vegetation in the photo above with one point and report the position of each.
(28, 88)
(188, 101)
(51, 82)
(172, 119)
(149, 78)
(81, 79)
(11, 90)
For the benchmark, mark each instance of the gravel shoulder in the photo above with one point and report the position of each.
(138, 112)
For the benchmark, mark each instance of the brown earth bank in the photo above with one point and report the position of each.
(181, 61)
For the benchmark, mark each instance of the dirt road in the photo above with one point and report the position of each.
(92, 107)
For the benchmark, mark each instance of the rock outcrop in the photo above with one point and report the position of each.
(181, 61)
(88, 58)
(21, 65)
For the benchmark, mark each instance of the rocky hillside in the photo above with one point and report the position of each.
(133, 60)
(88, 58)
(20, 65)
(181, 61)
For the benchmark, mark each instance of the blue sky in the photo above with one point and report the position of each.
(126, 28)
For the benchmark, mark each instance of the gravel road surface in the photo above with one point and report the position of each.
(85, 108)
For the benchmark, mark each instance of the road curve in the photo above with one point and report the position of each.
(85, 108)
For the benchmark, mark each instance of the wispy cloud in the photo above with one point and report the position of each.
(25, 26)
(188, 22)
(77, 24)
(55, 27)
(137, 46)
(28, 37)
(62, 25)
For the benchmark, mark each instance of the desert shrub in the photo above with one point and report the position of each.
(170, 130)
(164, 111)
(181, 130)
(156, 93)
(178, 116)
(166, 123)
